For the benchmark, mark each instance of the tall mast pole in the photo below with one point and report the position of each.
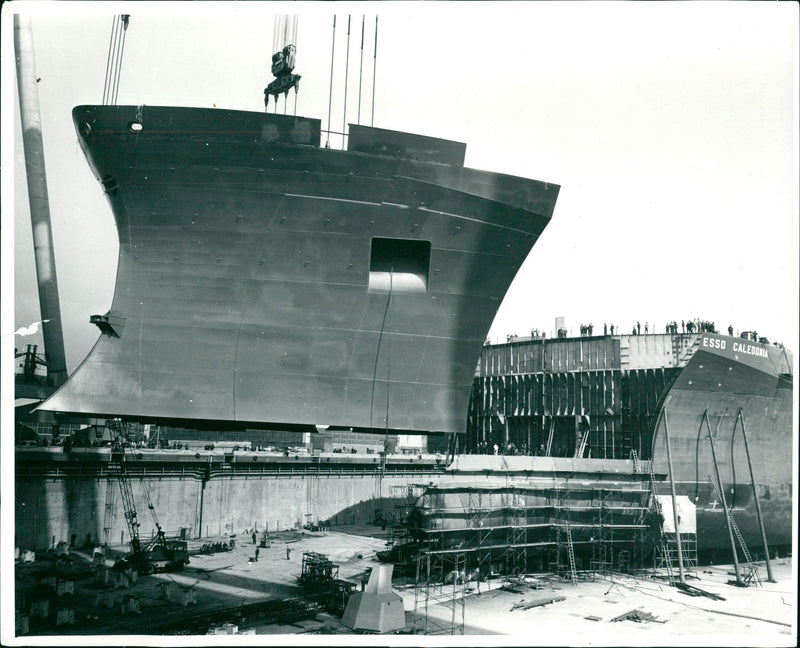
(39, 201)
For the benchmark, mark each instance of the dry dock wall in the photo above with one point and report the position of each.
(56, 507)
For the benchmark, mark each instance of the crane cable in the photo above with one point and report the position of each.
(330, 87)
(374, 67)
(116, 48)
(361, 69)
(346, 72)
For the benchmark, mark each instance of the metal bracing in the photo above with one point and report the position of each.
(109, 508)
(440, 582)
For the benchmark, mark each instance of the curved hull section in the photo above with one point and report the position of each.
(262, 279)
(725, 376)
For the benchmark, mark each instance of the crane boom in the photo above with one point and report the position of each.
(158, 553)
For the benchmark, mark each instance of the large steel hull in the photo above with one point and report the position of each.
(250, 287)
(725, 376)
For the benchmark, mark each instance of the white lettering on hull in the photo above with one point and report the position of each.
(749, 349)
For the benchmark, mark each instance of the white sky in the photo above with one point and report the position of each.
(671, 128)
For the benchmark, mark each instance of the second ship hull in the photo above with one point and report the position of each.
(626, 392)
(726, 377)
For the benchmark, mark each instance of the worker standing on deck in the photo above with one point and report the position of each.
(288, 552)
(254, 536)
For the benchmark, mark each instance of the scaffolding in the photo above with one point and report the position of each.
(317, 570)
(517, 533)
(479, 520)
(441, 579)
(603, 542)
(510, 527)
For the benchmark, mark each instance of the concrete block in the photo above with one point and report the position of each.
(118, 579)
(165, 591)
(29, 557)
(251, 631)
(48, 580)
(21, 624)
(65, 587)
(17, 554)
(105, 599)
(65, 616)
(130, 604)
(40, 608)
(188, 596)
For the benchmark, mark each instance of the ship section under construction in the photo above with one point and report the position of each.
(724, 402)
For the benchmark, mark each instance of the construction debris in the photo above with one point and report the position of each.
(532, 603)
(691, 590)
(637, 615)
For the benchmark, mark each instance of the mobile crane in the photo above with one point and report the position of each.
(160, 553)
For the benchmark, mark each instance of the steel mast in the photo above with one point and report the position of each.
(39, 201)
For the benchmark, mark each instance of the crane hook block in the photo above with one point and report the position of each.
(282, 67)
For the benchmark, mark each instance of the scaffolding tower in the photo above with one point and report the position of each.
(441, 577)
(602, 560)
(517, 533)
(479, 514)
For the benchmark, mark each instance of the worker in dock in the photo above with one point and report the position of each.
(288, 552)
(254, 536)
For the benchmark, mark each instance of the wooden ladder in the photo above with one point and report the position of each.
(582, 445)
(550, 437)
(565, 529)
(751, 573)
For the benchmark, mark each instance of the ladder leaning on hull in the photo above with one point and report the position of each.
(751, 569)
(733, 529)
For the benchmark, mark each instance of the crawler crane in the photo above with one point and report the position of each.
(160, 553)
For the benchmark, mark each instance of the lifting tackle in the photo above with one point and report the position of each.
(282, 68)
(283, 59)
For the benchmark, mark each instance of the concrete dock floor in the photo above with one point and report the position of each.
(753, 616)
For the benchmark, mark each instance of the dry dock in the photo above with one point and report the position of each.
(649, 611)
